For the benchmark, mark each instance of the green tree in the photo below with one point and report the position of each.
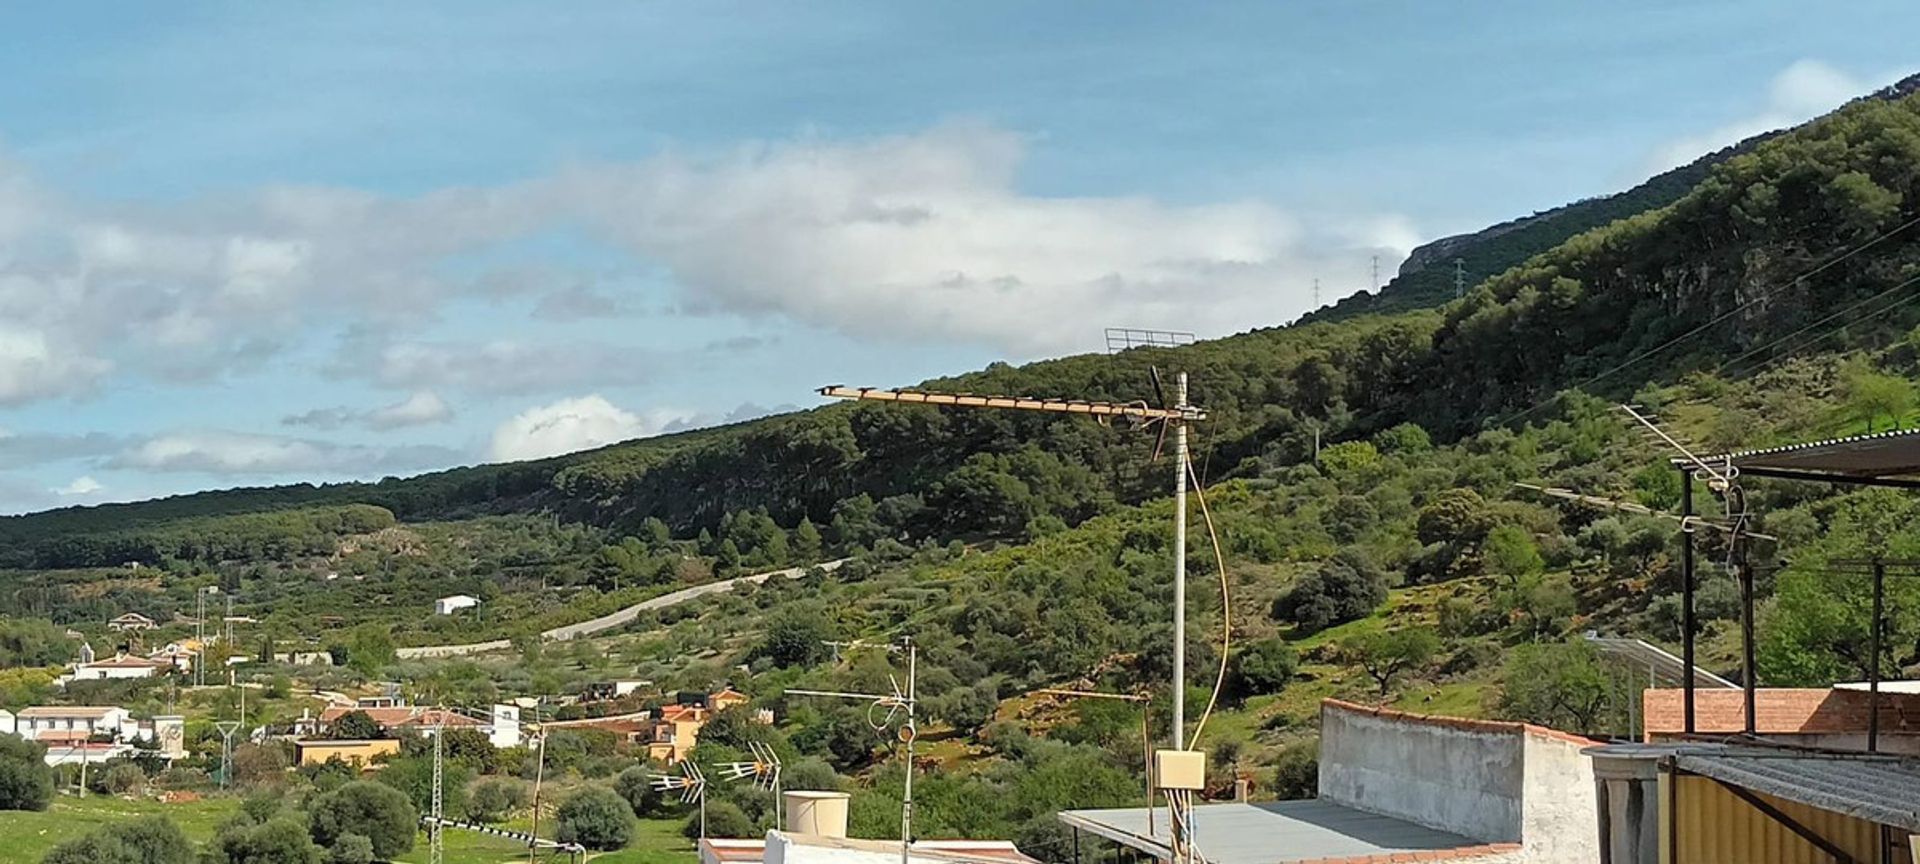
(1563, 685)
(370, 648)
(26, 783)
(281, 840)
(596, 817)
(1511, 553)
(495, 800)
(1266, 666)
(351, 849)
(375, 811)
(1872, 396)
(796, 638)
(636, 785)
(1340, 590)
(1384, 654)
(356, 726)
(807, 543)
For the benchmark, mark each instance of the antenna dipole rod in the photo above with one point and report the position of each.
(1179, 565)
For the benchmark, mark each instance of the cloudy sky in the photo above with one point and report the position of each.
(251, 243)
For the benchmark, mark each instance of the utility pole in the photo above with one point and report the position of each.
(1459, 278)
(1179, 416)
(1180, 558)
(436, 849)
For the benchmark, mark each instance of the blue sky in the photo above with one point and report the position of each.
(257, 243)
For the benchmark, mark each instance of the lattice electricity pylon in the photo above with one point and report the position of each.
(227, 728)
(763, 772)
(691, 786)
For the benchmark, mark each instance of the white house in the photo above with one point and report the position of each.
(450, 605)
(9, 724)
(120, 667)
(70, 722)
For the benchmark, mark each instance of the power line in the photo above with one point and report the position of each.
(1771, 343)
(1764, 295)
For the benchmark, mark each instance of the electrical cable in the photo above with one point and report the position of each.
(1764, 295)
(1773, 342)
(1226, 606)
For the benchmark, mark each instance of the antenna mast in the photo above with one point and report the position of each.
(899, 702)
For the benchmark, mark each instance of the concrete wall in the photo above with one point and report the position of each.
(1559, 805)
(1491, 781)
(1457, 777)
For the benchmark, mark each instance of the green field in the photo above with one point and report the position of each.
(26, 837)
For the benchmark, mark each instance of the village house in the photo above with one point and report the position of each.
(455, 603)
(501, 725)
(65, 728)
(121, 666)
(131, 622)
(358, 754)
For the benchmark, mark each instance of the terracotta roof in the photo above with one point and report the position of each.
(411, 715)
(1468, 724)
(125, 663)
(93, 711)
(1779, 710)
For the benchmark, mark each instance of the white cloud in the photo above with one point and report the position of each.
(1801, 92)
(80, 487)
(565, 426)
(248, 454)
(914, 237)
(422, 408)
(927, 236)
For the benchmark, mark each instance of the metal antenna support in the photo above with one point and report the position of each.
(690, 786)
(1717, 480)
(227, 728)
(900, 703)
(763, 772)
(436, 847)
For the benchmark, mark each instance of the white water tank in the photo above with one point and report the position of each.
(823, 814)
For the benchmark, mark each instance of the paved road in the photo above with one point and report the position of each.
(613, 619)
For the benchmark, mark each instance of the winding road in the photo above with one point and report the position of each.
(612, 619)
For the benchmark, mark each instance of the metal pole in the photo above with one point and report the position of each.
(539, 773)
(1749, 670)
(1686, 592)
(1180, 567)
(913, 731)
(1873, 653)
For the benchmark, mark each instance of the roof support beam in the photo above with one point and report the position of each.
(1824, 477)
(1776, 814)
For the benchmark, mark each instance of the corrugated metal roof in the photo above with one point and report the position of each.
(1277, 832)
(1880, 789)
(1880, 454)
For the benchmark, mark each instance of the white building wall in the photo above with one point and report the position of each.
(1463, 780)
(505, 731)
(8, 724)
(1560, 823)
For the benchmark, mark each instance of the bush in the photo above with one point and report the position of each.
(280, 841)
(495, 800)
(351, 849)
(596, 817)
(1264, 667)
(724, 819)
(379, 813)
(635, 784)
(145, 840)
(1341, 590)
(26, 783)
(123, 779)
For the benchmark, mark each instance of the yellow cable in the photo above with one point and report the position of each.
(1226, 607)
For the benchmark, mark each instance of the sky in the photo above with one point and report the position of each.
(254, 243)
